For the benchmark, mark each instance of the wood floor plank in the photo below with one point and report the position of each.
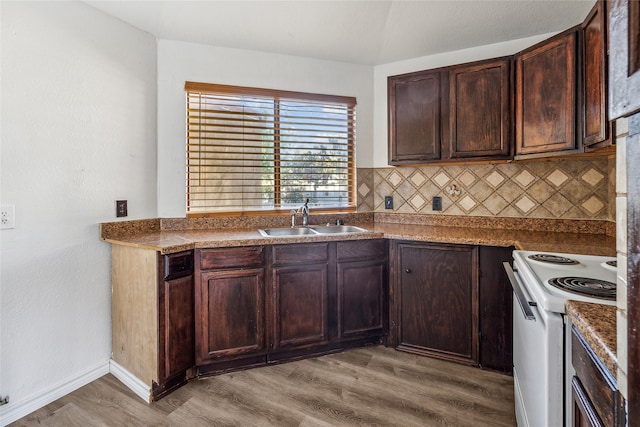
(371, 386)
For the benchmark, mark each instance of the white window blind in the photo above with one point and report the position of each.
(254, 149)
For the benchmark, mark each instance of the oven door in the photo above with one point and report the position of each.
(537, 361)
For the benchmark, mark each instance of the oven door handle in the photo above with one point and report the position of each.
(517, 290)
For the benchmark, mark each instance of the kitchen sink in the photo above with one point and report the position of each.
(310, 231)
(332, 229)
(280, 232)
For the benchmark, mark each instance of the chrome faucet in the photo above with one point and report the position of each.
(305, 214)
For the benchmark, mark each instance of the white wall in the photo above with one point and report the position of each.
(179, 62)
(381, 72)
(78, 132)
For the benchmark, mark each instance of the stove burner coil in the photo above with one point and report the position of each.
(553, 259)
(585, 286)
(613, 263)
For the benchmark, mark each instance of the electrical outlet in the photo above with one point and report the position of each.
(388, 202)
(4, 400)
(436, 203)
(121, 208)
(7, 216)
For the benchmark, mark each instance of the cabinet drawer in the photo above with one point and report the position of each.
(296, 254)
(598, 383)
(178, 264)
(368, 249)
(251, 256)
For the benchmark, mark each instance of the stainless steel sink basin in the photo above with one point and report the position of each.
(332, 229)
(312, 230)
(281, 232)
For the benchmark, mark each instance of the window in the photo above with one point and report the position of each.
(257, 150)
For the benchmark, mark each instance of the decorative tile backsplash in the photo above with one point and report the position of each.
(569, 189)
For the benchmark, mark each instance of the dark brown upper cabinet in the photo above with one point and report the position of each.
(449, 114)
(480, 111)
(594, 119)
(556, 104)
(415, 117)
(546, 97)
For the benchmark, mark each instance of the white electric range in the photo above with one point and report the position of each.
(542, 283)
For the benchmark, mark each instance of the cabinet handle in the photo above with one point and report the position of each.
(407, 270)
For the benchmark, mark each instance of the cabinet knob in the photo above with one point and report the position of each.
(407, 270)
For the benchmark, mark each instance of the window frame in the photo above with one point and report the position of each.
(277, 209)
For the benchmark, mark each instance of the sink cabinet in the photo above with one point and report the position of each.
(300, 291)
(263, 304)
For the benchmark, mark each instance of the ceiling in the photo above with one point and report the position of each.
(369, 32)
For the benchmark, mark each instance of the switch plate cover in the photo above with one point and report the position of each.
(388, 202)
(121, 208)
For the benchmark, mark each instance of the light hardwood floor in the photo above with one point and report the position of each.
(373, 386)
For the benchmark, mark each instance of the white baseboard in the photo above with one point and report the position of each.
(127, 378)
(14, 411)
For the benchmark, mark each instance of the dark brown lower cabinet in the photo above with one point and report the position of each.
(300, 295)
(300, 289)
(230, 307)
(362, 288)
(231, 314)
(451, 302)
(496, 307)
(256, 305)
(225, 309)
(175, 321)
(596, 398)
(437, 311)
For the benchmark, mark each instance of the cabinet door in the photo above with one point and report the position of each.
(361, 290)
(438, 301)
(176, 314)
(176, 324)
(230, 306)
(545, 99)
(496, 305)
(300, 295)
(594, 118)
(414, 117)
(480, 112)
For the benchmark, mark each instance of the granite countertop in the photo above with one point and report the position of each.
(170, 241)
(597, 324)
(179, 234)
